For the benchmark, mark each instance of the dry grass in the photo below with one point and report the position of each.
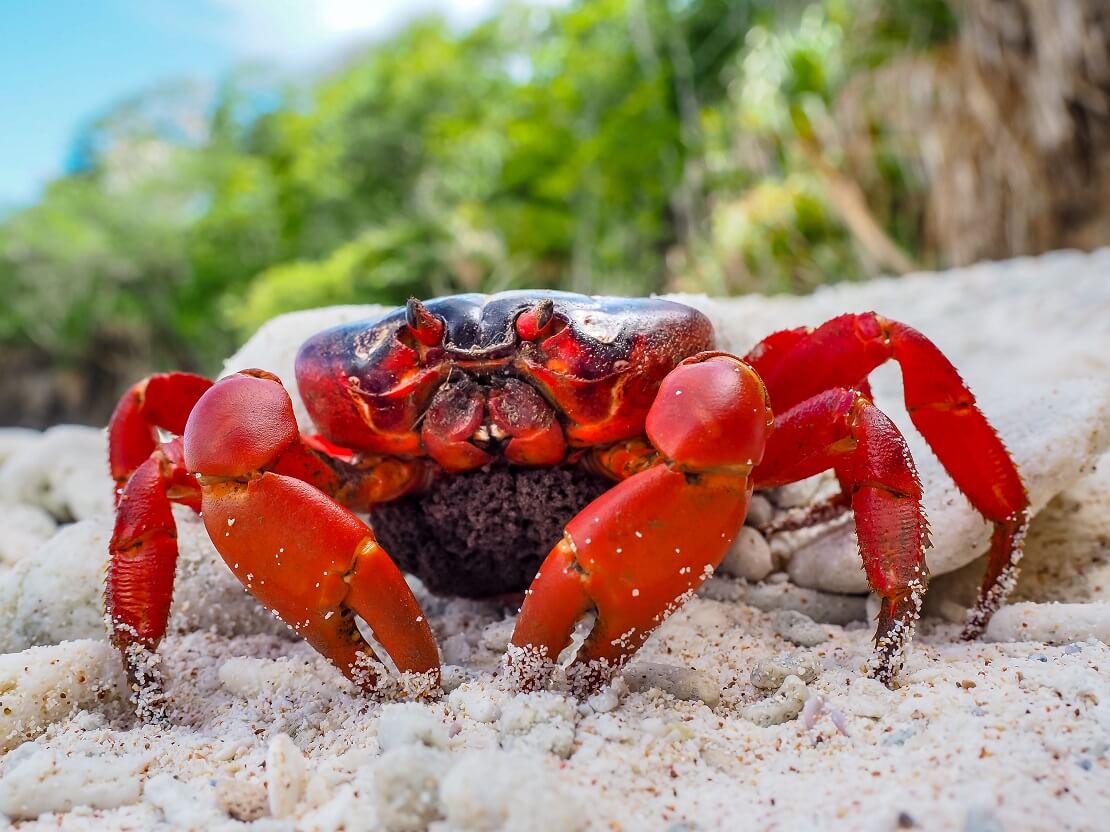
(1009, 127)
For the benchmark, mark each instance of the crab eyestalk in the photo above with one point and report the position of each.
(424, 326)
(534, 323)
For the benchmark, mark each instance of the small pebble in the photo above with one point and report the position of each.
(451, 676)
(605, 700)
(782, 706)
(749, 557)
(410, 723)
(242, 800)
(868, 697)
(539, 721)
(679, 682)
(495, 637)
(760, 512)
(798, 628)
(472, 702)
(456, 649)
(981, 819)
(769, 674)
(405, 789)
(285, 776)
(897, 737)
(812, 710)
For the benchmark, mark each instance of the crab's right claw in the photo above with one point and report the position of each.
(638, 551)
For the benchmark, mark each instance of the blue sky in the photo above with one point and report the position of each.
(63, 62)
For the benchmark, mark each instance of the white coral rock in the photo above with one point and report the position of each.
(65, 472)
(26, 528)
(44, 685)
(410, 723)
(541, 721)
(57, 593)
(1051, 623)
(487, 791)
(286, 776)
(39, 780)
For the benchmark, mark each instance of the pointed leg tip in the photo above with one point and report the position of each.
(971, 632)
(147, 684)
(897, 623)
(977, 619)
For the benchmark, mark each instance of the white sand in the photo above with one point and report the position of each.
(982, 736)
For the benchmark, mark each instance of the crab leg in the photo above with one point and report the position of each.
(142, 559)
(843, 430)
(638, 551)
(315, 562)
(796, 365)
(159, 401)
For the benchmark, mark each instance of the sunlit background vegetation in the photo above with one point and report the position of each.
(605, 146)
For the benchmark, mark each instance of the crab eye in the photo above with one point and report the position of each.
(532, 323)
(424, 326)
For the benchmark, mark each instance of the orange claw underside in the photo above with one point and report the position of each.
(633, 555)
(638, 551)
(314, 564)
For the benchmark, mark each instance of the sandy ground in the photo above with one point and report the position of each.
(738, 713)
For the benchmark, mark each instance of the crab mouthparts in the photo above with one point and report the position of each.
(485, 434)
(487, 414)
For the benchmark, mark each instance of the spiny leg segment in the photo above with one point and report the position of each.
(797, 364)
(842, 430)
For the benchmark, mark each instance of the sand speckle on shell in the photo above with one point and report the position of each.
(978, 736)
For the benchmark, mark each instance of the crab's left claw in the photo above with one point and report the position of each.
(298, 551)
(637, 552)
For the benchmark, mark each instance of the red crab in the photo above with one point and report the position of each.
(631, 390)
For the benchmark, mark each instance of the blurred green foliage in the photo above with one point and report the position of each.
(609, 146)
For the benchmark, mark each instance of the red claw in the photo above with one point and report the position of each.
(297, 550)
(636, 552)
